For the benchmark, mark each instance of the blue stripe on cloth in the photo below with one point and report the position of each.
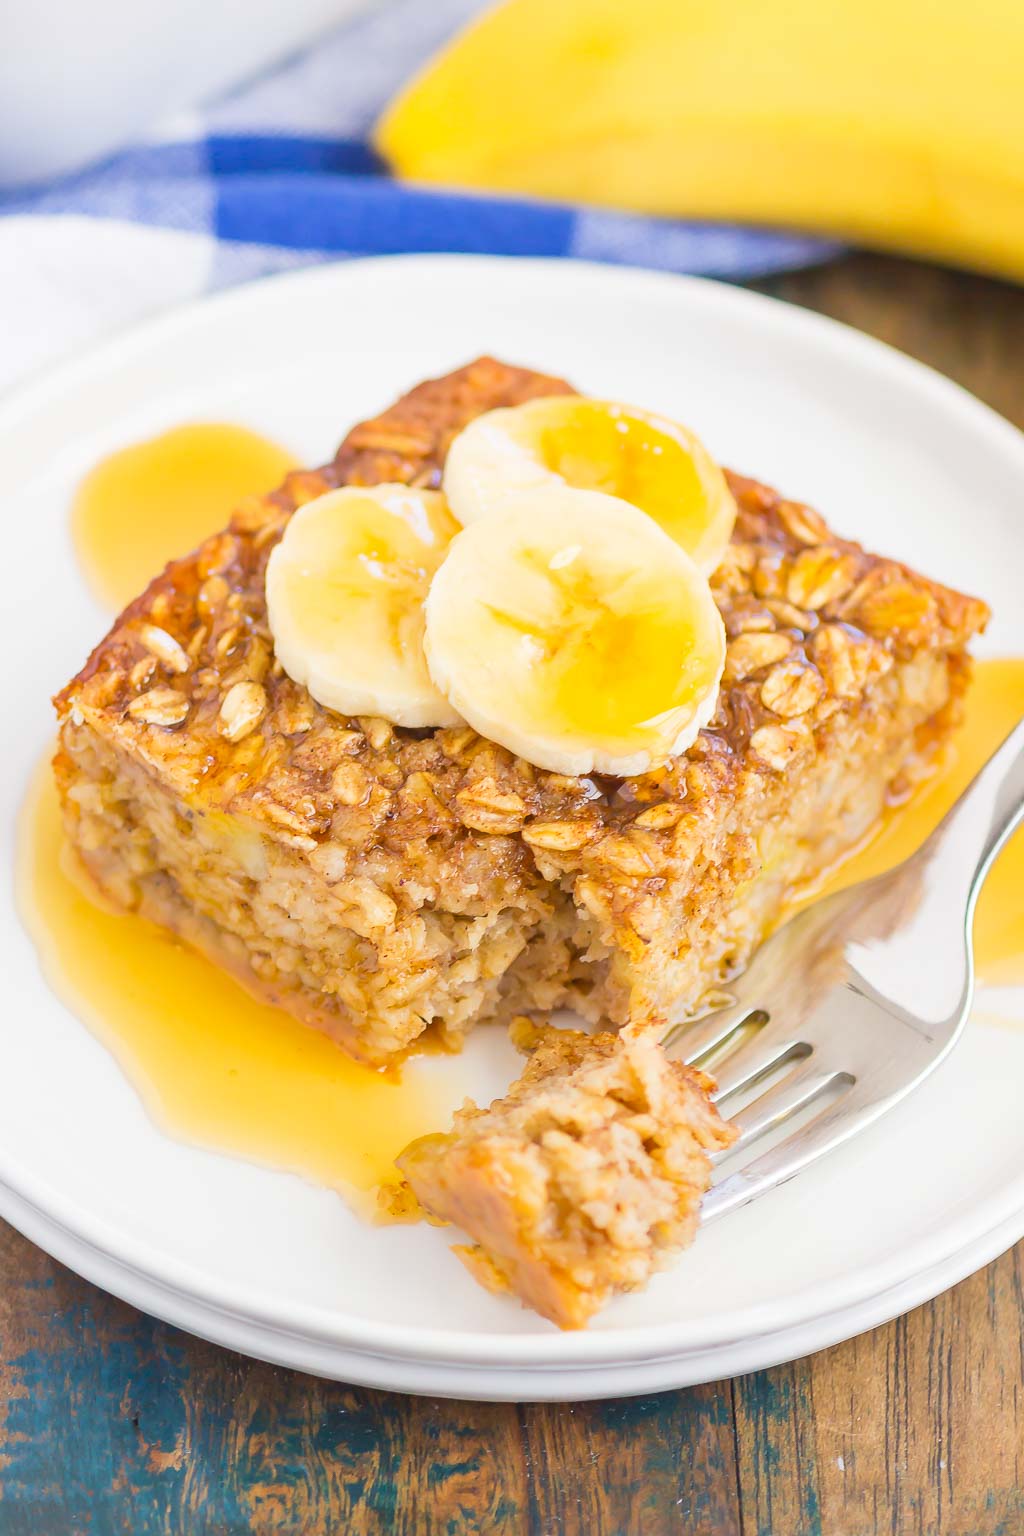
(218, 155)
(239, 154)
(369, 214)
(357, 215)
(289, 194)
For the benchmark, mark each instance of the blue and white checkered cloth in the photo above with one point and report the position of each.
(281, 174)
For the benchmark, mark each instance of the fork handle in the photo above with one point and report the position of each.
(975, 828)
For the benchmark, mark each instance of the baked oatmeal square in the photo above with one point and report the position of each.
(379, 882)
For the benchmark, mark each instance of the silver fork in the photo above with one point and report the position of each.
(855, 1001)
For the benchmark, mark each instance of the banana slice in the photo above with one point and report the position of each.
(570, 629)
(345, 590)
(594, 445)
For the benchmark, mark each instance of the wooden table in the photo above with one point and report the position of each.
(111, 1422)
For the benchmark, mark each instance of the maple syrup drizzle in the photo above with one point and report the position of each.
(994, 705)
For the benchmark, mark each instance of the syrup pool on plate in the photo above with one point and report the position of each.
(212, 1065)
(147, 503)
(994, 705)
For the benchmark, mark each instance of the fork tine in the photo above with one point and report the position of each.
(794, 1092)
(693, 1040)
(769, 1048)
(837, 1121)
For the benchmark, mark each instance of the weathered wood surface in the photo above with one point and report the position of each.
(111, 1422)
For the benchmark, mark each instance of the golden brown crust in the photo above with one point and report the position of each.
(827, 646)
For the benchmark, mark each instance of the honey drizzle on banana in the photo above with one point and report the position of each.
(217, 1068)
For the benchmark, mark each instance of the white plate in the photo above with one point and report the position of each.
(892, 454)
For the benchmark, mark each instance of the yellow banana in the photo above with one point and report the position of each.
(898, 123)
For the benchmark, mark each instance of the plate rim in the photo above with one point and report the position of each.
(461, 1380)
(642, 1341)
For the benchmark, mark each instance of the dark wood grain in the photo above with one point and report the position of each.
(113, 1422)
(917, 1427)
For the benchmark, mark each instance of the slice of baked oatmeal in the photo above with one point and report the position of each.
(584, 1179)
(378, 881)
